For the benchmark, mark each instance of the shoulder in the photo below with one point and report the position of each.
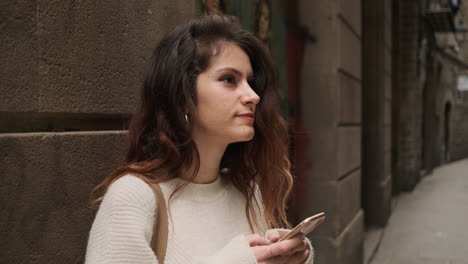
(130, 190)
(128, 206)
(124, 223)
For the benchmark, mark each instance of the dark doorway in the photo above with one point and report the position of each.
(447, 111)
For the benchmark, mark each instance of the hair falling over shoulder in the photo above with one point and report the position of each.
(159, 138)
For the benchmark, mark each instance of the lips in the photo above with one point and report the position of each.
(247, 116)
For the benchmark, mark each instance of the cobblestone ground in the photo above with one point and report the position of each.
(430, 224)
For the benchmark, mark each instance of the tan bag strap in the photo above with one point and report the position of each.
(160, 229)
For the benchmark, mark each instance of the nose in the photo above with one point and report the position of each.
(249, 96)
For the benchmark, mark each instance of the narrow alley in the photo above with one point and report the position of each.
(429, 225)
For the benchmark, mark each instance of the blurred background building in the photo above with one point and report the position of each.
(375, 92)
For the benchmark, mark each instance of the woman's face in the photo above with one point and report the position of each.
(225, 109)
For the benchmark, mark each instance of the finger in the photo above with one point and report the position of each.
(277, 260)
(301, 247)
(283, 248)
(256, 240)
(287, 246)
(263, 253)
(303, 241)
(303, 256)
(298, 257)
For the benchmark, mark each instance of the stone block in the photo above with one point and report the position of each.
(388, 23)
(388, 86)
(377, 201)
(351, 12)
(349, 149)
(320, 57)
(387, 138)
(18, 43)
(349, 198)
(322, 154)
(351, 241)
(319, 102)
(387, 170)
(349, 52)
(388, 6)
(388, 34)
(387, 62)
(340, 200)
(323, 197)
(314, 14)
(459, 129)
(350, 100)
(387, 113)
(87, 56)
(319, 98)
(326, 250)
(346, 248)
(45, 185)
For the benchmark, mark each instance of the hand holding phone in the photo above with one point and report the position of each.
(306, 226)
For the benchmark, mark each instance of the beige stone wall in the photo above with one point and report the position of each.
(331, 89)
(377, 111)
(407, 94)
(46, 179)
(71, 66)
(458, 145)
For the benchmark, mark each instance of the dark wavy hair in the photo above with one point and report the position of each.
(160, 139)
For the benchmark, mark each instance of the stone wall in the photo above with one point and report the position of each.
(46, 179)
(459, 133)
(70, 77)
(331, 87)
(377, 114)
(407, 94)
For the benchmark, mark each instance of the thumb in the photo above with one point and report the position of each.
(273, 235)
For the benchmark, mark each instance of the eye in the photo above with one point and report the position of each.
(229, 79)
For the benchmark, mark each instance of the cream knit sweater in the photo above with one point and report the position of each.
(207, 224)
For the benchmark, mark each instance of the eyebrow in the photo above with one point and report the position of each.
(236, 71)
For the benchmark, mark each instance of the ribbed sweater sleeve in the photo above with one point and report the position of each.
(122, 229)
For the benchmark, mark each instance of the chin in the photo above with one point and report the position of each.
(244, 136)
(248, 136)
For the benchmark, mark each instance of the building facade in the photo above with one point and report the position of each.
(372, 89)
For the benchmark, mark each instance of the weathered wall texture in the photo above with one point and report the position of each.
(67, 66)
(46, 180)
(79, 56)
(331, 100)
(459, 134)
(377, 114)
(459, 119)
(445, 133)
(407, 94)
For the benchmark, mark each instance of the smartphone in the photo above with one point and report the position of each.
(306, 226)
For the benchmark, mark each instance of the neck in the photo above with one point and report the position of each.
(210, 159)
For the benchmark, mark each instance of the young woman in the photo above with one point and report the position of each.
(210, 134)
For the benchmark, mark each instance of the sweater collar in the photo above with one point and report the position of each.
(198, 191)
